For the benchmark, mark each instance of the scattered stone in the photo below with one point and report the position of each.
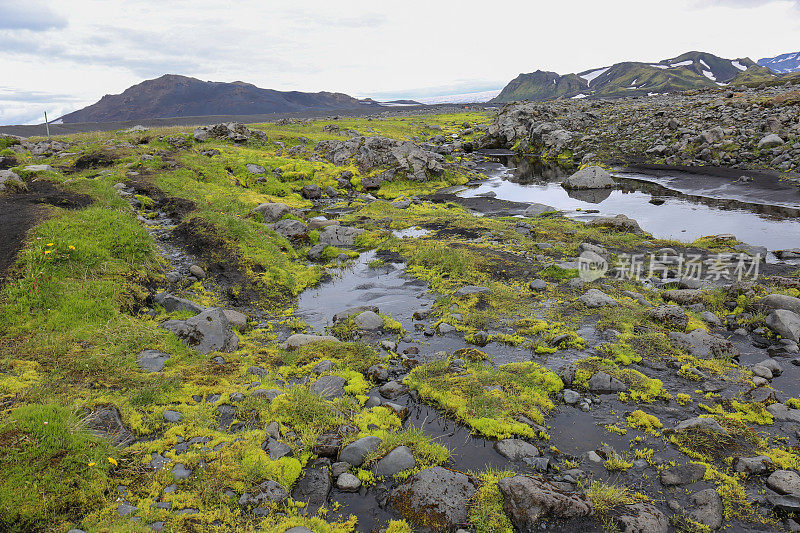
(315, 485)
(179, 471)
(339, 235)
(273, 211)
(206, 332)
(172, 417)
(596, 298)
(753, 465)
(785, 482)
(197, 271)
(368, 320)
(703, 344)
(394, 462)
(151, 360)
(641, 518)
(471, 289)
(355, 452)
(704, 423)
(516, 449)
(528, 500)
(785, 323)
(604, 383)
(593, 177)
(301, 339)
(172, 303)
(435, 498)
(348, 483)
(672, 316)
(683, 474)
(329, 387)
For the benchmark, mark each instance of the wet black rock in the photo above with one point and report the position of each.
(314, 486)
(434, 499)
(528, 500)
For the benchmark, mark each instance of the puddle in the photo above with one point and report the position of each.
(410, 233)
(359, 284)
(663, 212)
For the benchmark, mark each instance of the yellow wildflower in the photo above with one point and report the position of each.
(112, 461)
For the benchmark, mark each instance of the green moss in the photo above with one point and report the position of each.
(53, 469)
(486, 398)
(486, 513)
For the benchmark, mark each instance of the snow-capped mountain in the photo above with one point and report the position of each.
(782, 64)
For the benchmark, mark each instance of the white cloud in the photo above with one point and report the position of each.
(88, 48)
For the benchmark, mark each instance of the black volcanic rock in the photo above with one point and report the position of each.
(180, 96)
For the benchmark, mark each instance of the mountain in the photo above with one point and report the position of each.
(782, 64)
(180, 96)
(692, 70)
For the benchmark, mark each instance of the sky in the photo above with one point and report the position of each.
(59, 56)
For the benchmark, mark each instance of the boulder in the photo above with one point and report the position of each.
(11, 181)
(151, 360)
(641, 518)
(527, 500)
(315, 485)
(593, 177)
(291, 229)
(534, 210)
(272, 211)
(785, 323)
(206, 332)
(618, 223)
(672, 316)
(516, 449)
(339, 235)
(268, 491)
(703, 344)
(684, 296)
(368, 320)
(683, 474)
(301, 339)
(770, 141)
(708, 424)
(596, 298)
(395, 461)
(329, 387)
(172, 303)
(604, 383)
(355, 452)
(434, 498)
(252, 168)
(774, 302)
(784, 482)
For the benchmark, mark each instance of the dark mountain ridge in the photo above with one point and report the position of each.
(181, 96)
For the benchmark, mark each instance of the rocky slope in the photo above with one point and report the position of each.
(737, 128)
(782, 64)
(181, 96)
(692, 70)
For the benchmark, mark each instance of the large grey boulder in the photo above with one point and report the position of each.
(596, 298)
(395, 462)
(703, 344)
(301, 339)
(355, 452)
(785, 323)
(11, 181)
(329, 387)
(534, 210)
(672, 316)
(589, 178)
(516, 449)
(172, 303)
(770, 141)
(272, 211)
(605, 383)
(618, 223)
(784, 482)
(368, 320)
(339, 235)
(708, 508)
(641, 518)
(708, 424)
(230, 131)
(266, 492)
(527, 500)
(435, 499)
(252, 168)
(683, 474)
(774, 302)
(291, 229)
(315, 485)
(206, 332)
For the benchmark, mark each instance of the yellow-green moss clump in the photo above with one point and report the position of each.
(491, 400)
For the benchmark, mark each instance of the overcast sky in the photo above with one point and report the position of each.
(58, 56)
